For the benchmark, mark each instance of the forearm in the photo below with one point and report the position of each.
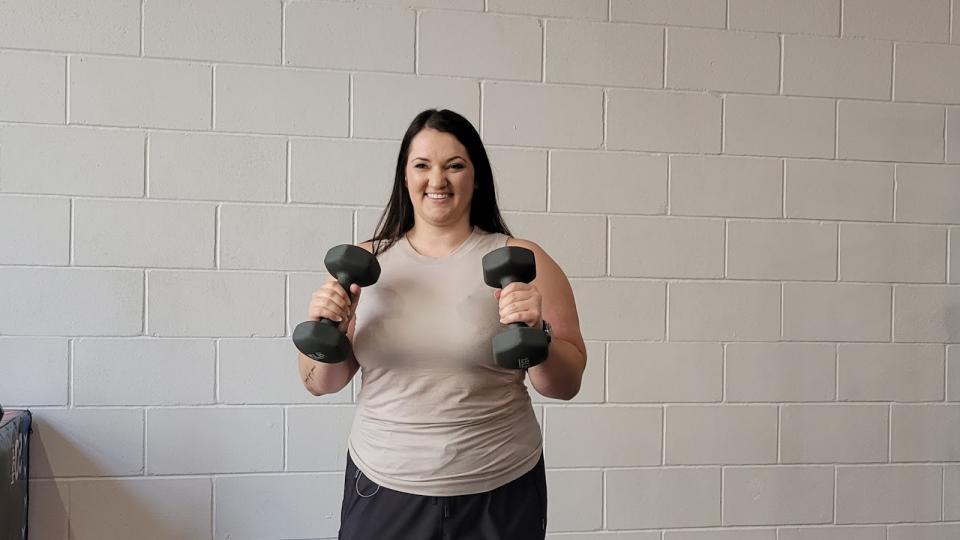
(321, 378)
(559, 376)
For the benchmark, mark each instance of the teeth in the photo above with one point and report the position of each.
(438, 195)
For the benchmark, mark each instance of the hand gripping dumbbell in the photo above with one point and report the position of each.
(519, 346)
(322, 340)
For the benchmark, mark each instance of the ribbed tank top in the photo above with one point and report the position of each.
(436, 415)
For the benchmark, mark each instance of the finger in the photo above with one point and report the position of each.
(520, 307)
(333, 297)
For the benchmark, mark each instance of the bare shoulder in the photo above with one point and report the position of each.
(367, 246)
(543, 259)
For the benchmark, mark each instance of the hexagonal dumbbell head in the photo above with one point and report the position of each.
(519, 346)
(322, 340)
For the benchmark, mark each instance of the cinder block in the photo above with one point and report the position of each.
(35, 371)
(249, 236)
(779, 126)
(926, 313)
(143, 233)
(953, 372)
(71, 161)
(86, 442)
(700, 311)
(264, 371)
(920, 20)
(576, 9)
(889, 131)
(281, 101)
(832, 67)
(604, 54)
(204, 440)
(577, 243)
(595, 182)
(661, 372)
(777, 495)
(726, 186)
(720, 434)
(817, 189)
(925, 432)
(722, 61)
(780, 372)
(901, 253)
(520, 177)
(833, 433)
(466, 5)
(71, 301)
(139, 92)
(537, 115)
(575, 500)
(121, 372)
(32, 87)
(384, 105)
(708, 13)
(826, 532)
(928, 194)
(643, 321)
(34, 230)
(786, 16)
(890, 372)
(215, 304)
(118, 509)
(663, 121)
(951, 492)
(217, 167)
(663, 497)
(245, 31)
(781, 250)
(953, 133)
(97, 26)
(597, 444)
(888, 493)
(836, 312)
(954, 251)
(342, 171)
(666, 247)
(278, 506)
(48, 509)
(447, 45)
(726, 533)
(343, 35)
(932, 531)
(313, 449)
(929, 73)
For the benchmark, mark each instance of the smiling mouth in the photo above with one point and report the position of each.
(439, 196)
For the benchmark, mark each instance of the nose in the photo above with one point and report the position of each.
(437, 178)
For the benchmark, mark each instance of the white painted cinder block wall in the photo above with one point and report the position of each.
(757, 201)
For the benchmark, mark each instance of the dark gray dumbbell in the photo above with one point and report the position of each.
(322, 340)
(519, 346)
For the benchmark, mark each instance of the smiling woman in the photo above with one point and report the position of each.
(444, 440)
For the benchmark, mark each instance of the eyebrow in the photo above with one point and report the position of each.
(451, 159)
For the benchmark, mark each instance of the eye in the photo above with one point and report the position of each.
(457, 165)
(420, 166)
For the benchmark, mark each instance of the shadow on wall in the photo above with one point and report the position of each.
(81, 505)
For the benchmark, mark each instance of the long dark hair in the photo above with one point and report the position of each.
(397, 217)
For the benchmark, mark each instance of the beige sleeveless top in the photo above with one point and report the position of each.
(436, 416)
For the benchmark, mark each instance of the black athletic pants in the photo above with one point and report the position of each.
(514, 511)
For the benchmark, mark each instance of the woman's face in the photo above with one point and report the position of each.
(439, 177)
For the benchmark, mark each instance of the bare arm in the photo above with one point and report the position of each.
(320, 378)
(560, 375)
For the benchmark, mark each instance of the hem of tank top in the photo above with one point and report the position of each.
(464, 247)
(523, 467)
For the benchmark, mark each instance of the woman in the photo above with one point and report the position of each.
(444, 442)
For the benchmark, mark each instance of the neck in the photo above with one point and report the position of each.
(435, 241)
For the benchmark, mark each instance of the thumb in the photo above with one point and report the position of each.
(497, 292)
(355, 289)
